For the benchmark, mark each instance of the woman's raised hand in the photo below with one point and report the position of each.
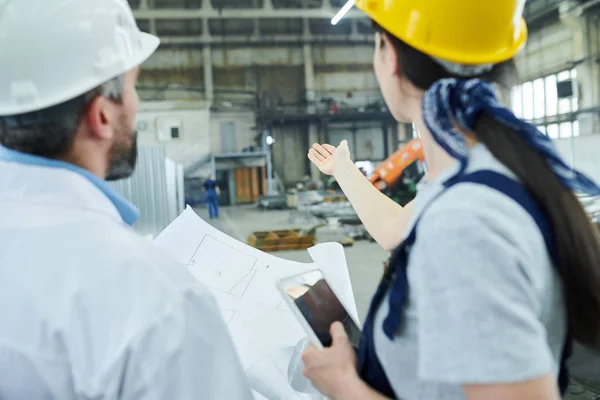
(328, 158)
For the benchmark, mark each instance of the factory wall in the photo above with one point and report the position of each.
(346, 74)
(289, 153)
(243, 124)
(548, 50)
(245, 79)
(156, 119)
(172, 74)
(583, 153)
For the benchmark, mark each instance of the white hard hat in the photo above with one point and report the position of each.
(53, 51)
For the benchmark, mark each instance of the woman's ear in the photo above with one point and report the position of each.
(390, 53)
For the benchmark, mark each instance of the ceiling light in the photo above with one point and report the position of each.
(342, 12)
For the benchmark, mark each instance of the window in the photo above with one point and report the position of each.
(517, 101)
(551, 96)
(539, 98)
(550, 102)
(528, 100)
(566, 129)
(564, 76)
(564, 106)
(552, 130)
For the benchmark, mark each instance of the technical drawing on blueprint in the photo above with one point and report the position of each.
(231, 273)
(242, 279)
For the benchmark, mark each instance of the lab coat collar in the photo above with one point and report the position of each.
(129, 213)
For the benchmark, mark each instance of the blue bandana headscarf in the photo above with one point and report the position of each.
(457, 101)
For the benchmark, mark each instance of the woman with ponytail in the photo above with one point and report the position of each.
(498, 267)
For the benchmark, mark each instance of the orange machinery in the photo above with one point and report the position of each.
(390, 172)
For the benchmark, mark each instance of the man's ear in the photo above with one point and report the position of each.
(98, 116)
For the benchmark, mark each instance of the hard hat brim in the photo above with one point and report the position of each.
(149, 44)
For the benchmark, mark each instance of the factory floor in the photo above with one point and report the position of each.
(365, 264)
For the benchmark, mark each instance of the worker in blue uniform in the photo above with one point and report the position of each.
(212, 197)
(496, 265)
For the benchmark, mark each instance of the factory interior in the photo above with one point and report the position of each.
(242, 88)
(239, 90)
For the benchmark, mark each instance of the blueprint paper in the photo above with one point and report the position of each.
(267, 336)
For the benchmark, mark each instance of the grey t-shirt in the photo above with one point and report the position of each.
(485, 303)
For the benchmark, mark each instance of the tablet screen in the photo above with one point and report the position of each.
(320, 307)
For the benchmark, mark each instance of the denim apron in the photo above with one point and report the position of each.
(395, 281)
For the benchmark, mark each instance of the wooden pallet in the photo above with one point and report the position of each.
(283, 240)
(260, 239)
(335, 199)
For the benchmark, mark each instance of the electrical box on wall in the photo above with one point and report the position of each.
(168, 129)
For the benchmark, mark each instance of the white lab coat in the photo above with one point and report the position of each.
(90, 310)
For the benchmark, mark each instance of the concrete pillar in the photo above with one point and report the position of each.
(309, 84)
(584, 31)
(309, 77)
(354, 31)
(391, 137)
(208, 75)
(405, 133)
(145, 5)
(313, 137)
(587, 89)
(152, 22)
(232, 187)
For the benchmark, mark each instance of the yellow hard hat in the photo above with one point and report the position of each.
(467, 32)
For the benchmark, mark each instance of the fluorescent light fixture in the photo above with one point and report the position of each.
(342, 12)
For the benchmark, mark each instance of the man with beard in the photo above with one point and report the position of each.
(89, 309)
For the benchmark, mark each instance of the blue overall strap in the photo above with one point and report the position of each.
(368, 365)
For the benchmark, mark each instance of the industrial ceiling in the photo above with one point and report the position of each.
(248, 21)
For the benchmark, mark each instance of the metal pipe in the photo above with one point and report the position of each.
(267, 150)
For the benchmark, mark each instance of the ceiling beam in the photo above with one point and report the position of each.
(209, 12)
(255, 40)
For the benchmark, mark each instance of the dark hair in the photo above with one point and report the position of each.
(577, 240)
(50, 132)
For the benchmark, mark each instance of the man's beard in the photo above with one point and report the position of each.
(123, 159)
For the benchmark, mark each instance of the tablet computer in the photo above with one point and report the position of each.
(317, 307)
